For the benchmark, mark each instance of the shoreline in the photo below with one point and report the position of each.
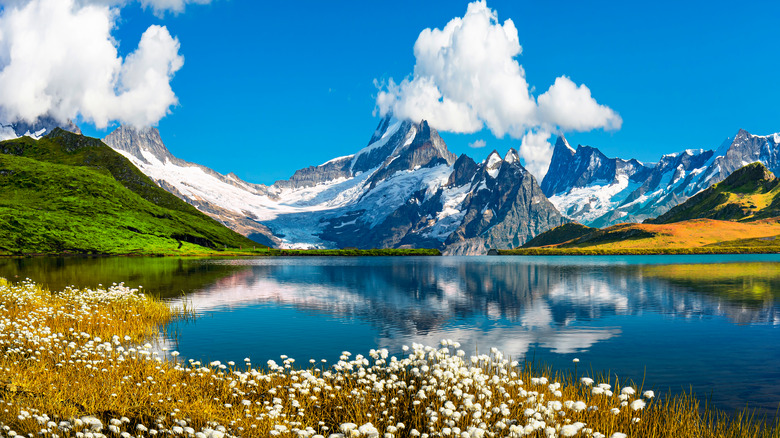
(628, 252)
(257, 253)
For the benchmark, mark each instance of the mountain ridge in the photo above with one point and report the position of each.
(599, 202)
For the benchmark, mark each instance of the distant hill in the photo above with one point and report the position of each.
(750, 193)
(66, 193)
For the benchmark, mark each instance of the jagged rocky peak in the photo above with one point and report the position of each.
(389, 135)
(420, 147)
(563, 144)
(428, 137)
(492, 163)
(555, 180)
(380, 131)
(747, 148)
(512, 156)
(135, 140)
(462, 171)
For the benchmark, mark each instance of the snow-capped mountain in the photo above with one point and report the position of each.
(580, 187)
(585, 184)
(36, 130)
(404, 189)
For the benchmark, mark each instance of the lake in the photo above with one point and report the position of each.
(710, 323)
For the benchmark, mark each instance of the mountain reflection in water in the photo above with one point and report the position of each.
(676, 324)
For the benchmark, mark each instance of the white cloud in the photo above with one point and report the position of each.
(536, 152)
(467, 77)
(478, 144)
(159, 6)
(571, 107)
(58, 58)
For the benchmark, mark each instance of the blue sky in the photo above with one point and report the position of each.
(270, 87)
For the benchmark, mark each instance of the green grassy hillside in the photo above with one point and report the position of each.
(67, 193)
(748, 194)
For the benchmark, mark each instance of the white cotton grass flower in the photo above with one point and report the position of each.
(628, 390)
(571, 429)
(618, 435)
(637, 404)
(587, 381)
(648, 394)
(347, 427)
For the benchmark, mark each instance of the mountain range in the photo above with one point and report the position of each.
(594, 190)
(406, 189)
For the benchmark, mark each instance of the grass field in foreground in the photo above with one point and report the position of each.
(76, 364)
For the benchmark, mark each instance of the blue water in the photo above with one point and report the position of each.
(621, 315)
(709, 323)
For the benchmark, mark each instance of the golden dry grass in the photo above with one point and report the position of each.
(687, 234)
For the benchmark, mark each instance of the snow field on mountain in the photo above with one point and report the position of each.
(587, 204)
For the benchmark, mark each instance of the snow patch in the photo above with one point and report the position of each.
(586, 204)
(345, 157)
(493, 164)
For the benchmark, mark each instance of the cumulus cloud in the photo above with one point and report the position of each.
(58, 58)
(160, 6)
(536, 152)
(466, 77)
(572, 108)
(478, 144)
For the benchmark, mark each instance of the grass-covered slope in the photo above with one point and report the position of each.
(748, 194)
(67, 193)
(559, 234)
(693, 236)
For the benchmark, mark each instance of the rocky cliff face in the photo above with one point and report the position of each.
(504, 207)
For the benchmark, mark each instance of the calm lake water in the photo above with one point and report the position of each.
(710, 323)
